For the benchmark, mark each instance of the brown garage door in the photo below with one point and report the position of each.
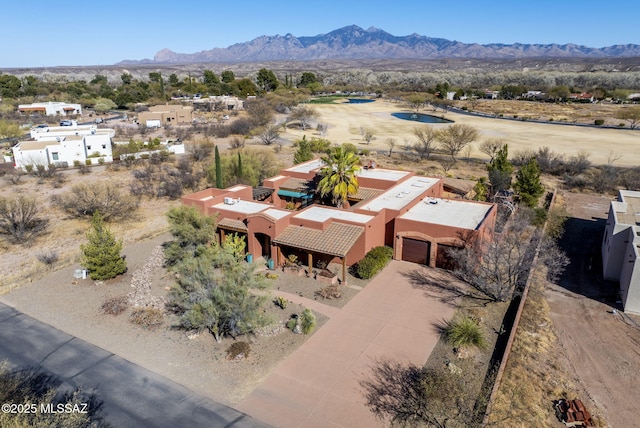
(415, 251)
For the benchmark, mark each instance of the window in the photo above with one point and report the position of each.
(88, 147)
(104, 146)
(55, 156)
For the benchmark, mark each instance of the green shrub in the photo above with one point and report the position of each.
(281, 302)
(87, 162)
(293, 322)
(238, 351)
(463, 332)
(539, 217)
(307, 321)
(621, 125)
(465, 108)
(29, 168)
(599, 122)
(76, 163)
(374, 261)
(101, 161)
(149, 318)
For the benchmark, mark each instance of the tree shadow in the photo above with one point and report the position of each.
(444, 287)
(35, 385)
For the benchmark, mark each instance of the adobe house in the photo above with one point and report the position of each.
(167, 114)
(392, 207)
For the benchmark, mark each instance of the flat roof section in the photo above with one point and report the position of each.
(244, 207)
(277, 214)
(400, 195)
(321, 214)
(37, 145)
(383, 174)
(307, 166)
(448, 212)
(631, 214)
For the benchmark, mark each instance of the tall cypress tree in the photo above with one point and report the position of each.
(101, 254)
(219, 184)
(240, 174)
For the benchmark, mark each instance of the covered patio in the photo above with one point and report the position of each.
(336, 240)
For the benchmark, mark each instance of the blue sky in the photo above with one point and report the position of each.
(38, 33)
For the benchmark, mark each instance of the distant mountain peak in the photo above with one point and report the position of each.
(353, 42)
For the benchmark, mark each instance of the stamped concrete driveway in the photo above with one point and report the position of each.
(319, 384)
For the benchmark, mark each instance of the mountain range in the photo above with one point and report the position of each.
(353, 42)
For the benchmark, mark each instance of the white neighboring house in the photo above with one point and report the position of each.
(53, 132)
(173, 147)
(64, 150)
(621, 248)
(51, 108)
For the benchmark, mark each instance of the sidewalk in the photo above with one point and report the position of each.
(318, 385)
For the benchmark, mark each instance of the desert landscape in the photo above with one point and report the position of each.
(53, 295)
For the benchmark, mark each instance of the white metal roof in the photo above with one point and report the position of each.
(400, 195)
(277, 214)
(240, 206)
(321, 214)
(383, 174)
(448, 212)
(307, 166)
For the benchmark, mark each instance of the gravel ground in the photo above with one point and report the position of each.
(74, 306)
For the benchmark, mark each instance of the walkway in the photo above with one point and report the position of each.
(318, 385)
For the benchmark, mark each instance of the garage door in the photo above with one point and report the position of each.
(415, 251)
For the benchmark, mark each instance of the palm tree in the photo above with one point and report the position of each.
(339, 176)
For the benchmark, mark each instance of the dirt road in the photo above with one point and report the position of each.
(602, 346)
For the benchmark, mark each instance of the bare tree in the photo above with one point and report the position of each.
(446, 164)
(391, 143)
(303, 115)
(20, 219)
(85, 199)
(491, 147)
(416, 101)
(467, 152)
(200, 150)
(631, 115)
(367, 136)
(455, 137)
(269, 134)
(414, 396)
(260, 111)
(236, 143)
(494, 268)
(427, 141)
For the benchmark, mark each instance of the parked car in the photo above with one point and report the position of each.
(66, 123)
(99, 120)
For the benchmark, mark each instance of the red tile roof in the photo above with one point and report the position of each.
(229, 223)
(335, 240)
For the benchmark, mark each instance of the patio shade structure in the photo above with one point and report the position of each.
(336, 240)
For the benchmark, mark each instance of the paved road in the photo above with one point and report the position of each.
(132, 396)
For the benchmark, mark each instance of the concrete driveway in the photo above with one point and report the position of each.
(131, 395)
(319, 384)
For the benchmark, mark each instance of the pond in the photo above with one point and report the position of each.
(359, 100)
(421, 117)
